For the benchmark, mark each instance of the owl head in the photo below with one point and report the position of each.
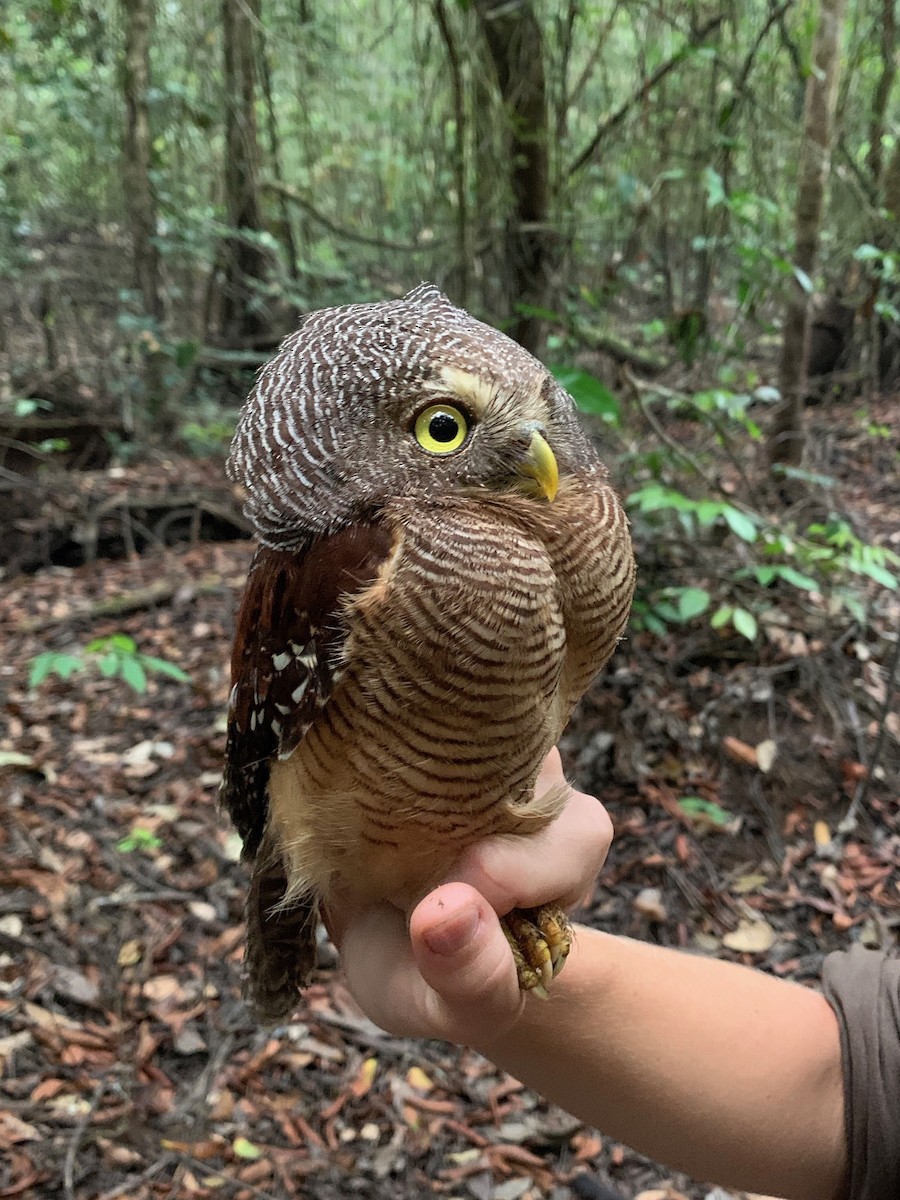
(411, 397)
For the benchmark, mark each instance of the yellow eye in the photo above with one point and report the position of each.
(441, 429)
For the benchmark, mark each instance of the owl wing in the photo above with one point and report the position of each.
(286, 658)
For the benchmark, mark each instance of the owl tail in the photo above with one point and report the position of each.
(281, 943)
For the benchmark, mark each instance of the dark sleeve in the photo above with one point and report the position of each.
(863, 988)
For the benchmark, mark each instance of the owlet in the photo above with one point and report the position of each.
(442, 569)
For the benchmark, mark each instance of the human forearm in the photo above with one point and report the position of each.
(726, 1073)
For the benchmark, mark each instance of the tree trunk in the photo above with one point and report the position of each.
(785, 444)
(874, 158)
(244, 262)
(464, 249)
(140, 195)
(513, 38)
(287, 228)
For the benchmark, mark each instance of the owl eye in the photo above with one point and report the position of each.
(441, 429)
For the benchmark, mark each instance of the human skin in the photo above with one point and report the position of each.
(721, 1071)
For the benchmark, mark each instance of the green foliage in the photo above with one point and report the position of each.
(708, 810)
(205, 438)
(114, 657)
(140, 839)
(826, 561)
(590, 395)
(694, 514)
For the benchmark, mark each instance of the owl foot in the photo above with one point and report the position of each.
(540, 939)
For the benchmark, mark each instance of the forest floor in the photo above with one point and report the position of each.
(128, 1064)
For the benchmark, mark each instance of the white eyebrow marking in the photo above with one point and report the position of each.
(477, 393)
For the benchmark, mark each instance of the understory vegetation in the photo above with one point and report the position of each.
(691, 213)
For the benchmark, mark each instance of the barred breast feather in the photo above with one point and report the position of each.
(464, 659)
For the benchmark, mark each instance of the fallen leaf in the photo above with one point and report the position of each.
(660, 1194)
(161, 988)
(739, 751)
(14, 1130)
(118, 1155)
(130, 953)
(748, 883)
(751, 937)
(822, 834)
(766, 753)
(364, 1078)
(203, 911)
(188, 1041)
(586, 1146)
(648, 903)
(76, 986)
(12, 758)
(417, 1078)
(201, 1150)
(245, 1149)
(233, 847)
(47, 1088)
(511, 1189)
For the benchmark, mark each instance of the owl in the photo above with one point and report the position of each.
(442, 568)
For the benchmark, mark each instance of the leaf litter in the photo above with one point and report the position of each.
(128, 1064)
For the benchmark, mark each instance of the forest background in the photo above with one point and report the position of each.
(691, 213)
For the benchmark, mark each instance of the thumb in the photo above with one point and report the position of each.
(462, 954)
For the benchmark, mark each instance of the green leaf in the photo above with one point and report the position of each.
(825, 481)
(589, 393)
(739, 523)
(696, 806)
(853, 605)
(134, 674)
(41, 668)
(654, 624)
(667, 612)
(245, 1149)
(866, 253)
(745, 623)
(122, 642)
(185, 353)
(692, 602)
(67, 664)
(109, 664)
(879, 574)
(116, 641)
(162, 667)
(721, 616)
(798, 580)
(708, 511)
(52, 663)
(715, 189)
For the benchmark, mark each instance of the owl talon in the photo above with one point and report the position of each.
(540, 938)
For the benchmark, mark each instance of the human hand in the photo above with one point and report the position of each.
(447, 972)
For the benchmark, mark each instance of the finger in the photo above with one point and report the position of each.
(382, 974)
(450, 975)
(558, 864)
(550, 774)
(463, 956)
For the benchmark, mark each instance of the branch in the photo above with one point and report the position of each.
(615, 118)
(349, 235)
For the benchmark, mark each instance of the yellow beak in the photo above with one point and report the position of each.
(540, 465)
